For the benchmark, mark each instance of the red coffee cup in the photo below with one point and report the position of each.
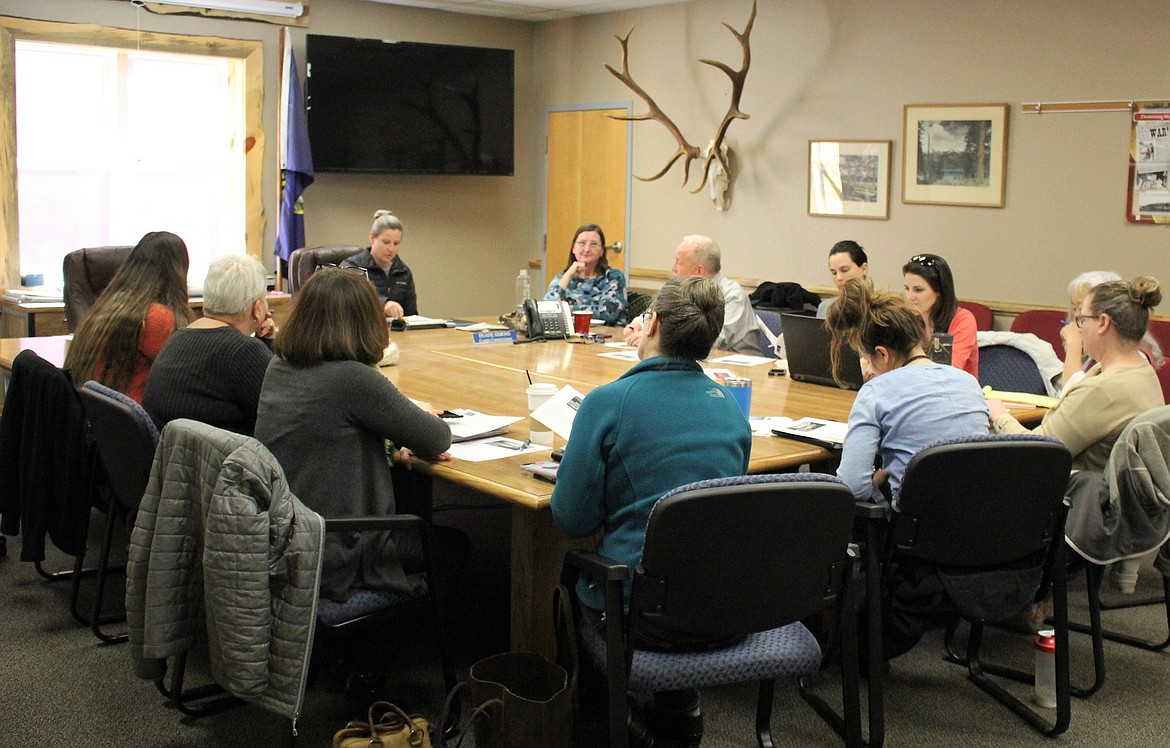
(581, 321)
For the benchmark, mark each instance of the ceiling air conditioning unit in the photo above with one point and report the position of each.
(261, 7)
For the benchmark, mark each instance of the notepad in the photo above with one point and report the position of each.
(817, 431)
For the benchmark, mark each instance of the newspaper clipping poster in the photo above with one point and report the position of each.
(1149, 187)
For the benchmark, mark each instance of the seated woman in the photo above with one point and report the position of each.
(908, 402)
(119, 338)
(332, 420)
(622, 459)
(385, 269)
(930, 287)
(847, 259)
(1091, 413)
(588, 282)
(1075, 360)
(212, 370)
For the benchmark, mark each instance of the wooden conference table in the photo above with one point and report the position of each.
(444, 368)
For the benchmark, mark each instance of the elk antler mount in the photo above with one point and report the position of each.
(716, 153)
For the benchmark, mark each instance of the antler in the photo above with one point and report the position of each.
(685, 149)
(733, 112)
(655, 113)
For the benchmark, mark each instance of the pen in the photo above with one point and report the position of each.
(450, 414)
(527, 443)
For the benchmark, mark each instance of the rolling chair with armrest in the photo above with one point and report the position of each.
(984, 317)
(781, 555)
(1008, 369)
(126, 438)
(773, 322)
(87, 272)
(986, 514)
(303, 262)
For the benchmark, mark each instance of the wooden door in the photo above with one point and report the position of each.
(587, 181)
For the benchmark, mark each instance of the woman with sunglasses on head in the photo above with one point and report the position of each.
(588, 282)
(930, 287)
(847, 259)
(391, 277)
(336, 423)
(1112, 319)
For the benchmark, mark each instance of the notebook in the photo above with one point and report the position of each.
(806, 344)
(817, 431)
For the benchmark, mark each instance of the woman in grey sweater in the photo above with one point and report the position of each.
(333, 421)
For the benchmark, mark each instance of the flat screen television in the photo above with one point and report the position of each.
(409, 107)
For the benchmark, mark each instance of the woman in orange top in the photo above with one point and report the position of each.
(125, 329)
(930, 287)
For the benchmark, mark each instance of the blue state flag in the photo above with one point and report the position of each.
(296, 172)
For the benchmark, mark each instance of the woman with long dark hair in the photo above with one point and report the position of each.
(125, 329)
(930, 287)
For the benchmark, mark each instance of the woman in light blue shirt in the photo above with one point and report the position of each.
(908, 402)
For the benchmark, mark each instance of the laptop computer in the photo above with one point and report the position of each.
(806, 344)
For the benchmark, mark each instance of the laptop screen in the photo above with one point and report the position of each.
(806, 344)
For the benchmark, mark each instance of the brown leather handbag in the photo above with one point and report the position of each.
(387, 726)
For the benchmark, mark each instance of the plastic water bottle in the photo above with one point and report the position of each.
(523, 289)
(1045, 683)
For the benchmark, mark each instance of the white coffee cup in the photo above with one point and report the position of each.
(538, 394)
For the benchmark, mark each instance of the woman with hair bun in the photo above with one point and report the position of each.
(930, 287)
(391, 277)
(1091, 413)
(908, 401)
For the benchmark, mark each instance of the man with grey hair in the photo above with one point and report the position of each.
(697, 254)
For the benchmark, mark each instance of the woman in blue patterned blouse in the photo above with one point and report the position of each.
(588, 282)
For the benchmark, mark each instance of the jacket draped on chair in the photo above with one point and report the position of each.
(221, 543)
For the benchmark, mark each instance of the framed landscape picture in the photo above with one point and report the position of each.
(955, 154)
(849, 178)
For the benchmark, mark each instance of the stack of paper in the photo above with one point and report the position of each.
(467, 424)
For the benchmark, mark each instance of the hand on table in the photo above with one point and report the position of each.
(406, 458)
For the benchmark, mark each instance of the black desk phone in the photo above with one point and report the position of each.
(547, 319)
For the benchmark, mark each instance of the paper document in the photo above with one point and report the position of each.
(559, 411)
(419, 322)
(774, 340)
(630, 354)
(492, 448)
(720, 375)
(482, 326)
(467, 424)
(621, 345)
(740, 359)
(1025, 398)
(765, 425)
(815, 431)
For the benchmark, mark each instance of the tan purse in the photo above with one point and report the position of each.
(393, 729)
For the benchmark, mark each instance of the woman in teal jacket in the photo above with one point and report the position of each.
(663, 424)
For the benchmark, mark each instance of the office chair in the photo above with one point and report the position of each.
(1044, 324)
(781, 555)
(1135, 522)
(636, 304)
(984, 317)
(126, 438)
(1009, 369)
(986, 515)
(773, 322)
(303, 262)
(87, 272)
(47, 467)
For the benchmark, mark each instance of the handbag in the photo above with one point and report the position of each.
(393, 729)
(536, 701)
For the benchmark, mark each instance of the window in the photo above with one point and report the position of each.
(112, 143)
(119, 135)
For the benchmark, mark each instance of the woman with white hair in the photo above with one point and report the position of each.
(1075, 362)
(212, 370)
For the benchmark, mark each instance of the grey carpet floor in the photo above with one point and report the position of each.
(58, 686)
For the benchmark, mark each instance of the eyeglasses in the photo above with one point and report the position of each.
(1080, 318)
(926, 260)
(646, 318)
(353, 268)
(590, 245)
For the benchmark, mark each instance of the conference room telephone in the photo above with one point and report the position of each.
(547, 319)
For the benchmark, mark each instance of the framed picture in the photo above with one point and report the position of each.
(955, 154)
(849, 178)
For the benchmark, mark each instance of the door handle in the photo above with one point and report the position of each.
(616, 247)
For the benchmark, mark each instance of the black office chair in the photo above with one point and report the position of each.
(986, 513)
(636, 303)
(1134, 521)
(303, 262)
(1008, 369)
(750, 556)
(126, 437)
